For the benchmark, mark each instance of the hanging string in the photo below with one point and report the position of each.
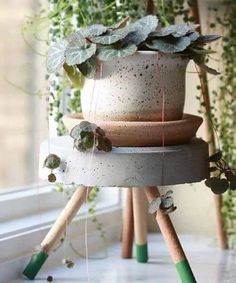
(162, 90)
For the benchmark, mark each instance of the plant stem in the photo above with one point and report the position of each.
(221, 234)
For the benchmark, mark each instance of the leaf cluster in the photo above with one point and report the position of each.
(164, 203)
(224, 178)
(87, 135)
(80, 52)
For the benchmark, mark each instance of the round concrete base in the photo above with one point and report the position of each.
(128, 166)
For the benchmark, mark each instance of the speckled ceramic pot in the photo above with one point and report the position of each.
(135, 88)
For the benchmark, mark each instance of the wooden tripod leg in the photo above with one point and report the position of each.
(140, 224)
(172, 241)
(128, 225)
(56, 232)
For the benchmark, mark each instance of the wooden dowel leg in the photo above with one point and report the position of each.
(128, 225)
(140, 224)
(172, 241)
(56, 232)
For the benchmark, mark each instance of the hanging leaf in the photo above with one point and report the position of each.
(107, 53)
(75, 54)
(154, 205)
(141, 29)
(166, 202)
(218, 186)
(104, 144)
(200, 51)
(175, 30)
(112, 36)
(233, 183)
(52, 161)
(215, 157)
(74, 75)
(84, 126)
(89, 67)
(169, 44)
(56, 56)
(94, 30)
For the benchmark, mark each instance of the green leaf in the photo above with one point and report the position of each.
(104, 144)
(94, 30)
(52, 161)
(154, 205)
(112, 36)
(89, 67)
(213, 169)
(233, 183)
(75, 54)
(141, 29)
(201, 51)
(56, 56)
(202, 39)
(107, 53)
(77, 38)
(194, 35)
(175, 30)
(215, 157)
(169, 44)
(74, 75)
(166, 202)
(120, 24)
(84, 126)
(218, 186)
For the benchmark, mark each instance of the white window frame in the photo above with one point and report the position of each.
(42, 206)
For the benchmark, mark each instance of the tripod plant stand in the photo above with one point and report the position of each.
(140, 168)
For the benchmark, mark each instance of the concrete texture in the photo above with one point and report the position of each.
(128, 166)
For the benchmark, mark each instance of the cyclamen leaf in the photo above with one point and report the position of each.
(84, 126)
(108, 53)
(194, 36)
(74, 75)
(89, 67)
(218, 186)
(77, 38)
(120, 24)
(169, 44)
(112, 36)
(141, 29)
(207, 38)
(94, 30)
(175, 30)
(76, 55)
(215, 157)
(56, 56)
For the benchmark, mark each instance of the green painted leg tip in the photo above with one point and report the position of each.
(185, 272)
(36, 262)
(141, 253)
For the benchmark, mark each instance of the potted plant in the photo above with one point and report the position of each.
(128, 67)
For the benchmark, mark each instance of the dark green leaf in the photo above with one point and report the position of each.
(52, 161)
(106, 53)
(215, 157)
(89, 67)
(104, 144)
(169, 44)
(218, 186)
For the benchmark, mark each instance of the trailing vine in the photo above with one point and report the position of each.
(226, 97)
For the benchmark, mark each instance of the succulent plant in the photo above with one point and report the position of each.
(87, 135)
(81, 51)
(224, 177)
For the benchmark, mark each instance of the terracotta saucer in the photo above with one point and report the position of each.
(122, 133)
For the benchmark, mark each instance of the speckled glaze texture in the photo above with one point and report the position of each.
(133, 88)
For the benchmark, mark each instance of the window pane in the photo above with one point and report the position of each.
(22, 116)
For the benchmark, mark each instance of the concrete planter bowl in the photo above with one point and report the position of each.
(136, 88)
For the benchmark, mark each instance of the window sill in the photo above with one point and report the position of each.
(20, 235)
